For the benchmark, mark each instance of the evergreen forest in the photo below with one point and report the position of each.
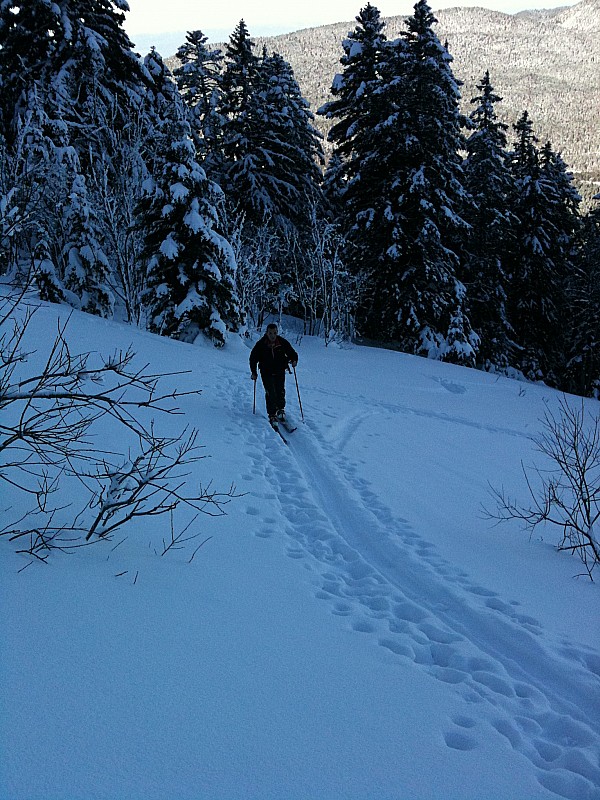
(198, 200)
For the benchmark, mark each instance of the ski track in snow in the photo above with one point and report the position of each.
(391, 585)
(395, 408)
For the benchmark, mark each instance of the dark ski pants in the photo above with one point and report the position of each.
(274, 392)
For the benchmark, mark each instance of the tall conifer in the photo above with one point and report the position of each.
(542, 257)
(72, 79)
(199, 79)
(190, 262)
(582, 370)
(403, 191)
(352, 89)
(493, 228)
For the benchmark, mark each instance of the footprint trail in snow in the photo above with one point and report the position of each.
(390, 585)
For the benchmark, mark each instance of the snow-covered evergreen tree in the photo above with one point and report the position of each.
(562, 211)
(293, 149)
(289, 154)
(270, 148)
(428, 202)
(32, 141)
(563, 205)
(543, 256)
(103, 52)
(493, 226)
(333, 184)
(191, 265)
(270, 158)
(242, 129)
(199, 79)
(582, 370)
(72, 80)
(404, 192)
(106, 85)
(11, 212)
(353, 180)
(102, 77)
(39, 163)
(354, 88)
(241, 71)
(30, 35)
(87, 271)
(355, 177)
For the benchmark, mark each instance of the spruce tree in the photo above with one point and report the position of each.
(106, 84)
(30, 34)
(333, 184)
(270, 159)
(102, 76)
(429, 201)
(9, 210)
(270, 148)
(199, 79)
(355, 176)
(41, 167)
(353, 88)
(290, 155)
(190, 263)
(241, 71)
(73, 80)
(404, 189)
(87, 271)
(533, 316)
(562, 211)
(563, 205)
(582, 370)
(356, 111)
(542, 259)
(492, 229)
(242, 128)
(292, 146)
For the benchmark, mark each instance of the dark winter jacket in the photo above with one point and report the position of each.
(272, 359)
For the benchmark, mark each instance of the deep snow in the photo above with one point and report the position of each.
(353, 630)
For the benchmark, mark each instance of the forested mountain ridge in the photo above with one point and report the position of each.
(547, 62)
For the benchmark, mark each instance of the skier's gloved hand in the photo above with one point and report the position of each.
(253, 375)
(294, 364)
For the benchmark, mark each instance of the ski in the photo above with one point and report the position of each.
(289, 428)
(276, 429)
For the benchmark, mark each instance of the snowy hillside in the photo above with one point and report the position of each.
(353, 630)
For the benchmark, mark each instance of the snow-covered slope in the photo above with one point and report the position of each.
(353, 630)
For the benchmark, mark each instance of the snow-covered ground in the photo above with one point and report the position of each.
(355, 629)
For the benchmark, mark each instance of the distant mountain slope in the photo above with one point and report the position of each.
(547, 62)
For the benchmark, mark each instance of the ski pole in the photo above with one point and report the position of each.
(254, 403)
(298, 390)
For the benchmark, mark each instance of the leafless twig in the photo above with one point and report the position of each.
(49, 416)
(566, 493)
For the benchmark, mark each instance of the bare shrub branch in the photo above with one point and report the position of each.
(48, 433)
(566, 493)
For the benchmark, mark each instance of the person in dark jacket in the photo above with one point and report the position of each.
(272, 354)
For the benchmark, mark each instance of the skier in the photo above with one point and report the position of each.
(272, 354)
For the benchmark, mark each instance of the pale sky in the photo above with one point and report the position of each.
(264, 17)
